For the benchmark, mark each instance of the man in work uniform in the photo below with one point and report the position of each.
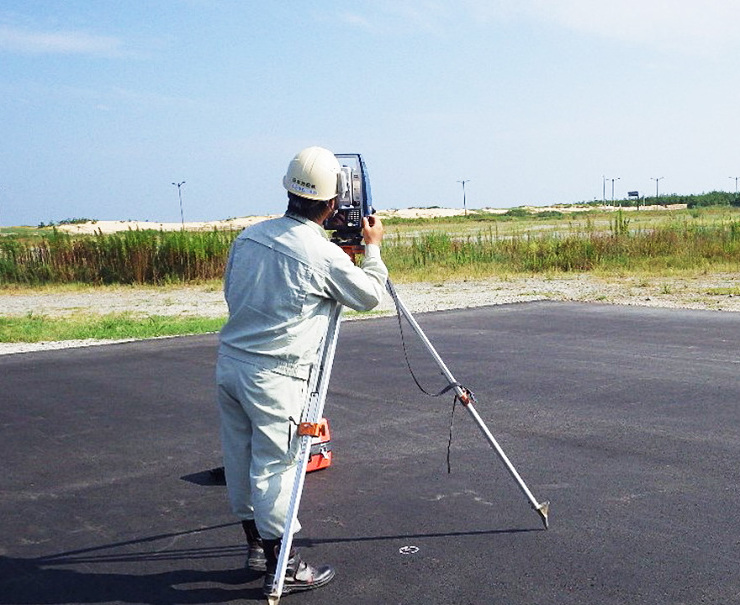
(282, 278)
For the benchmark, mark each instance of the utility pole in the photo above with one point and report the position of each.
(179, 195)
(657, 180)
(462, 182)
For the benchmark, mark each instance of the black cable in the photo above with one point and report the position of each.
(449, 441)
(450, 386)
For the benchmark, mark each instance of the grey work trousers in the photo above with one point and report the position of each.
(259, 441)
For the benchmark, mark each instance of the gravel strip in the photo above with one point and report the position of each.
(718, 292)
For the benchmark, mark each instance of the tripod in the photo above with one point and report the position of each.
(318, 385)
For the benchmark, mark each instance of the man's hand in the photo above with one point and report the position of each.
(372, 230)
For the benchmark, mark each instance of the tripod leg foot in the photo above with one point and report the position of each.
(543, 510)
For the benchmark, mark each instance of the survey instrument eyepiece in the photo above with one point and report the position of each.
(354, 202)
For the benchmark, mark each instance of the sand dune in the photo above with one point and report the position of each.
(241, 223)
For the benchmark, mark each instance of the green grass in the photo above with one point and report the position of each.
(25, 233)
(114, 326)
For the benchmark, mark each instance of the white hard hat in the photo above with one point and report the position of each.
(314, 173)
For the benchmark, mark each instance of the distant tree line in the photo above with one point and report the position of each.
(713, 198)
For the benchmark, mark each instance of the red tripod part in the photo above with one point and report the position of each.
(353, 250)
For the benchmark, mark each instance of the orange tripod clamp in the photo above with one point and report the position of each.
(311, 429)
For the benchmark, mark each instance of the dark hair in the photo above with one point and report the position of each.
(310, 209)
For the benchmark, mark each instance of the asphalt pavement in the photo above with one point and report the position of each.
(626, 419)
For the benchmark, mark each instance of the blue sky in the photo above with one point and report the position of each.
(105, 103)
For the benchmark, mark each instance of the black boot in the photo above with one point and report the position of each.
(255, 552)
(299, 575)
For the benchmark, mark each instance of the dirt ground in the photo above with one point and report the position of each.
(717, 292)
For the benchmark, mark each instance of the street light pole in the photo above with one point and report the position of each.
(462, 182)
(736, 178)
(616, 179)
(179, 195)
(657, 180)
(603, 189)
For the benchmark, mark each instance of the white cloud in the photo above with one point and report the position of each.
(389, 16)
(356, 20)
(703, 26)
(61, 42)
(427, 15)
(708, 27)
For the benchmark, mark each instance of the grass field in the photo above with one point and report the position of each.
(645, 242)
(479, 244)
(624, 244)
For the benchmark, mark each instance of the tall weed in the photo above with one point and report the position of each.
(158, 257)
(674, 246)
(128, 257)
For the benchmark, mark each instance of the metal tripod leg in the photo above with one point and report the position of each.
(541, 508)
(316, 396)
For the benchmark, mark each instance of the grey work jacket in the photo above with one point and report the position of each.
(280, 281)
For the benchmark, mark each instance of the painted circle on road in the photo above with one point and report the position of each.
(408, 550)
